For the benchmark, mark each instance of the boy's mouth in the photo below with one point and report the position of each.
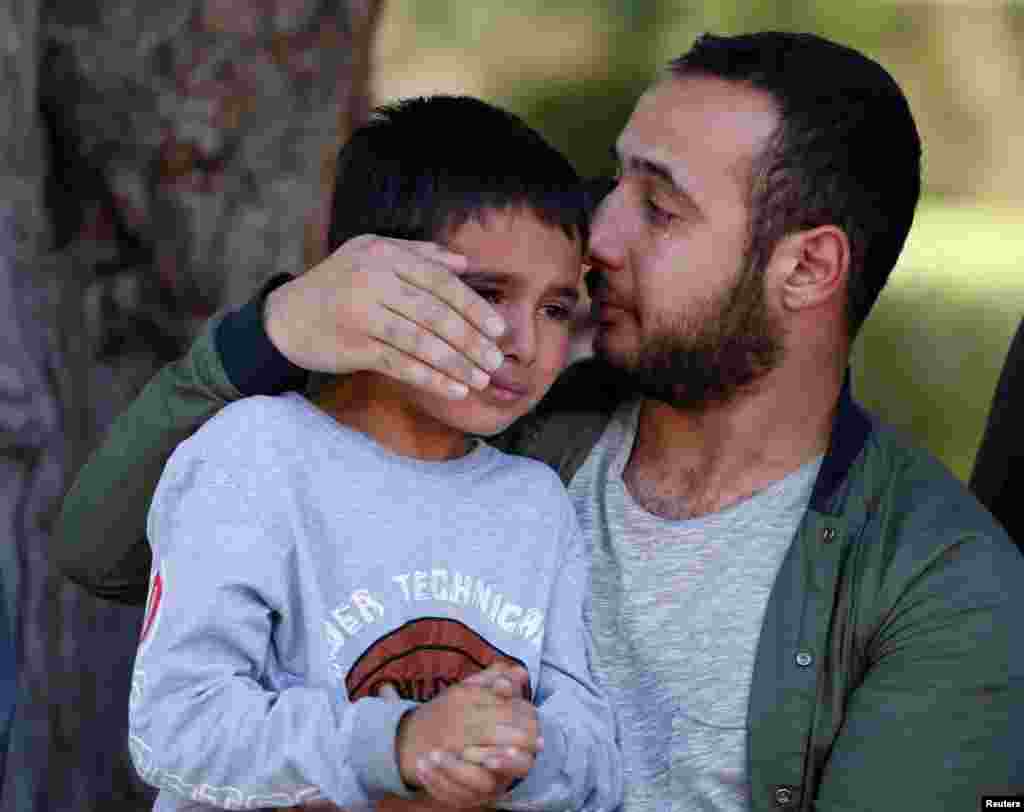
(505, 387)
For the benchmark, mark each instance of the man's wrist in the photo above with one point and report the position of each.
(252, 363)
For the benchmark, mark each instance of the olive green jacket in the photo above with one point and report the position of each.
(886, 676)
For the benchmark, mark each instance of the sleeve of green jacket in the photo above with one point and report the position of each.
(99, 540)
(936, 721)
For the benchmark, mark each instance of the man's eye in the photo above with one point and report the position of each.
(657, 215)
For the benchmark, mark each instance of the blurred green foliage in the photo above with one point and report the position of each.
(930, 354)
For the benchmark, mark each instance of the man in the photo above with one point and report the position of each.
(791, 606)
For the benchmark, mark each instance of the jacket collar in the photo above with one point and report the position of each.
(850, 430)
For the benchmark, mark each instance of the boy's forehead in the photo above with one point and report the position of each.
(503, 245)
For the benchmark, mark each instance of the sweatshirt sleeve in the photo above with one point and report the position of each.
(204, 722)
(580, 767)
(99, 538)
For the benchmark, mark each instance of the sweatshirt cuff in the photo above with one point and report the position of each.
(548, 768)
(373, 755)
(252, 363)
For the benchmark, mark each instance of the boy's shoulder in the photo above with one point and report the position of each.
(530, 483)
(257, 428)
(526, 467)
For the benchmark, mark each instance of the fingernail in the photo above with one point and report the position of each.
(479, 379)
(422, 765)
(437, 758)
(540, 742)
(494, 359)
(494, 326)
(458, 390)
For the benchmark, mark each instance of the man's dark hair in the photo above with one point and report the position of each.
(422, 167)
(846, 152)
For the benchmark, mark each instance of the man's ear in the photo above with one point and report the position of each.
(813, 266)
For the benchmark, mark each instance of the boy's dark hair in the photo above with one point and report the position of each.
(846, 153)
(422, 167)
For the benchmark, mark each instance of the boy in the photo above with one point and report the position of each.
(343, 586)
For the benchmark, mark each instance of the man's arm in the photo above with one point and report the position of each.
(936, 721)
(99, 540)
(391, 306)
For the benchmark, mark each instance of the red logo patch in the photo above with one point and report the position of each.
(153, 602)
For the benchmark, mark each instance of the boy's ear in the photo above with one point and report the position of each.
(811, 266)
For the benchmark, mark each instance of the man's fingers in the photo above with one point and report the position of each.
(394, 329)
(400, 366)
(435, 316)
(435, 251)
(449, 288)
(451, 780)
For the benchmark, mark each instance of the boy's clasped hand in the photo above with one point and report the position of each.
(467, 745)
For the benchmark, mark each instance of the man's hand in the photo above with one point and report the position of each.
(391, 306)
(432, 738)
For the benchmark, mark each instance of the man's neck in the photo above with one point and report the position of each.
(687, 464)
(375, 406)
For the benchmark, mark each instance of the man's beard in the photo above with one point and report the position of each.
(693, 362)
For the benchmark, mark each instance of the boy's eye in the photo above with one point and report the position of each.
(491, 296)
(558, 312)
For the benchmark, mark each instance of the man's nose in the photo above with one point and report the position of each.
(608, 232)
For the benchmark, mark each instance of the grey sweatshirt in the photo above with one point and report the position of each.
(299, 565)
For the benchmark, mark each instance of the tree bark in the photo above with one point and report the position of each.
(160, 160)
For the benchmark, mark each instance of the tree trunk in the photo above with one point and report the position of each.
(159, 161)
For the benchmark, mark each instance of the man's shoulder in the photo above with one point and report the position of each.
(924, 511)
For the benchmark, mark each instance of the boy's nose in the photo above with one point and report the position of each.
(520, 340)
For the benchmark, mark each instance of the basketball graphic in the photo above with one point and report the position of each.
(422, 658)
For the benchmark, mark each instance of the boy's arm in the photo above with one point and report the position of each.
(580, 767)
(99, 539)
(214, 715)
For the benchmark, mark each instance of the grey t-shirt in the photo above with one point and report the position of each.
(676, 615)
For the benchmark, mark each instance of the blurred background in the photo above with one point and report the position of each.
(159, 160)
